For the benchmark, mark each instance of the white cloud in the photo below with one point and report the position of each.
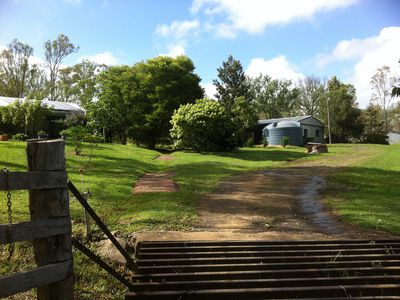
(209, 89)
(177, 35)
(174, 51)
(253, 16)
(178, 30)
(369, 54)
(277, 67)
(106, 58)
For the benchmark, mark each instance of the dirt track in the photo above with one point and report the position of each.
(282, 204)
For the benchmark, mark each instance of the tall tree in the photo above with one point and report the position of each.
(37, 83)
(55, 52)
(15, 69)
(374, 126)
(275, 98)
(163, 84)
(232, 83)
(141, 99)
(311, 95)
(394, 118)
(345, 121)
(78, 82)
(396, 88)
(234, 94)
(109, 115)
(382, 83)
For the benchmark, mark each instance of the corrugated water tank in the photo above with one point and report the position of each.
(275, 131)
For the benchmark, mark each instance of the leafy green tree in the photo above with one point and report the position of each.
(17, 76)
(274, 98)
(78, 83)
(234, 94)
(37, 83)
(232, 83)
(394, 118)
(311, 95)
(374, 126)
(382, 84)
(110, 114)
(77, 135)
(396, 87)
(160, 85)
(29, 115)
(203, 126)
(138, 102)
(345, 116)
(55, 52)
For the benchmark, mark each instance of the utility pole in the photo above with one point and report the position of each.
(329, 121)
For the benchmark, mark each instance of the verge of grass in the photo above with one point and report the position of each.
(368, 192)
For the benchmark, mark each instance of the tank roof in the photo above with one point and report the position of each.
(283, 124)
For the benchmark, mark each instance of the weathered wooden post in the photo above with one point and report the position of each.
(48, 155)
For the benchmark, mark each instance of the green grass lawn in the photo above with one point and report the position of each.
(366, 191)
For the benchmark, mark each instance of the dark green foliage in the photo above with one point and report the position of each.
(20, 137)
(232, 83)
(109, 115)
(345, 116)
(264, 141)
(234, 94)
(28, 116)
(77, 135)
(274, 98)
(203, 126)
(374, 126)
(284, 141)
(138, 101)
(250, 142)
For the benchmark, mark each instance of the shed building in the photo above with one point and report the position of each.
(300, 130)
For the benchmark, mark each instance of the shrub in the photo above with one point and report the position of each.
(77, 135)
(20, 137)
(284, 141)
(264, 141)
(203, 126)
(250, 142)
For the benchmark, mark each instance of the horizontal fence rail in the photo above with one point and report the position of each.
(33, 180)
(36, 229)
(39, 277)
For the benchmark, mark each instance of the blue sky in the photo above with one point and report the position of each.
(285, 38)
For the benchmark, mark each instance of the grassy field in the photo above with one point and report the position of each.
(368, 192)
(364, 191)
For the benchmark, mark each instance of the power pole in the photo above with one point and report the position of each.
(329, 121)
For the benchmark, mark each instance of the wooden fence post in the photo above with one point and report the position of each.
(48, 155)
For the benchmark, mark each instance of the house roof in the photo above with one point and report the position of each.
(290, 119)
(55, 105)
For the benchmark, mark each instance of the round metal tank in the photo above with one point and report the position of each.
(275, 131)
